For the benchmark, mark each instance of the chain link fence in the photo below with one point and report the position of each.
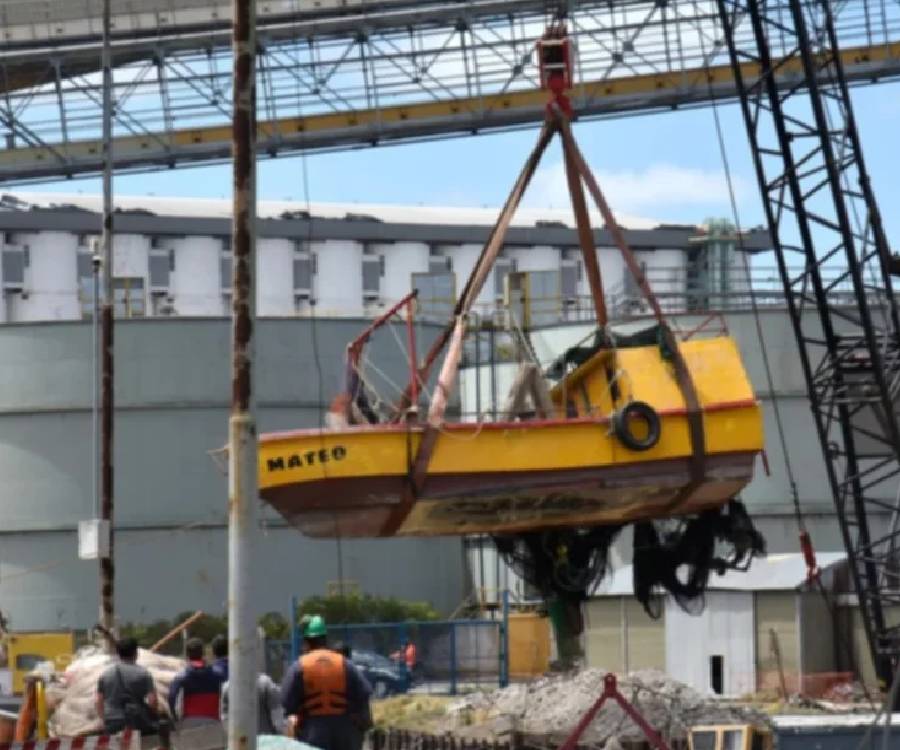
(449, 657)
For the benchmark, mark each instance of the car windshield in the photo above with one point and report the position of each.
(371, 659)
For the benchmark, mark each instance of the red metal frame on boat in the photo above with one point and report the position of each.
(355, 347)
(705, 326)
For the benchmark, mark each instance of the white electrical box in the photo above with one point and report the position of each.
(93, 539)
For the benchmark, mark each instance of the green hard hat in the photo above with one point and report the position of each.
(315, 628)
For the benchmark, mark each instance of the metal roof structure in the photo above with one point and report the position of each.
(339, 74)
(337, 223)
(785, 572)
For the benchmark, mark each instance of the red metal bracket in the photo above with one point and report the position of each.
(611, 692)
(809, 557)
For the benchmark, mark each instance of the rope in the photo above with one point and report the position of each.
(764, 350)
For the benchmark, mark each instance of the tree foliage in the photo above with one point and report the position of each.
(351, 608)
(364, 608)
(274, 624)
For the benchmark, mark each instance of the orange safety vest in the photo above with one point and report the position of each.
(324, 683)
(411, 656)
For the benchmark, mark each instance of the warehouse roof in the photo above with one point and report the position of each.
(785, 572)
(24, 212)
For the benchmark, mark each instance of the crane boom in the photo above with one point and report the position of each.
(821, 211)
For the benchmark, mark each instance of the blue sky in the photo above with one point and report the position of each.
(661, 166)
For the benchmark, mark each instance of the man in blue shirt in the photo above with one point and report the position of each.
(220, 656)
(326, 693)
(199, 688)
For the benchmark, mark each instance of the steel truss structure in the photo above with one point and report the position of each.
(389, 71)
(823, 216)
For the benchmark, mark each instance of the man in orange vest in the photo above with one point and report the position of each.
(327, 694)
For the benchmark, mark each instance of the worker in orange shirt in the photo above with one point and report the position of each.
(410, 656)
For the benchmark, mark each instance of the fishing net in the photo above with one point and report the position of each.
(674, 555)
(679, 556)
(566, 563)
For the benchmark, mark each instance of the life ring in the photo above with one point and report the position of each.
(637, 411)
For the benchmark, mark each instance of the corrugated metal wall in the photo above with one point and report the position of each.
(817, 641)
(646, 637)
(724, 630)
(172, 408)
(777, 610)
(621, 637)
(604, 634)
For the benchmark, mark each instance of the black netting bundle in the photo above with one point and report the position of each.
(674, 555)
(680, 559)
(560, 562)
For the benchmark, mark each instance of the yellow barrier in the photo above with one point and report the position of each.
(529, 645)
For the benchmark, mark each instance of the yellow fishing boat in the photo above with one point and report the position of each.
(644, 427)
(572, 468)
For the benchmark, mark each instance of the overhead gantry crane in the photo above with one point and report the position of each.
(373, 73)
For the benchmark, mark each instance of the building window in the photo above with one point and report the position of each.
(160, 269)
(570, 278)
(440, 264)
(717, 674)
(372, 271)
(14, 262)
(437, 294)
(129, 297)
(502, 268)
(304, 273)
(225, 272)
(544, 297)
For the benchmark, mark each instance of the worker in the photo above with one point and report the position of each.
(199, 688)
(269, 716)
(126, 696)
(327, 694)
(220, 656)
(410, 655)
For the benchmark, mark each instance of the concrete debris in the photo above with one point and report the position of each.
(71, 698)
(847, 692)
(554, 705)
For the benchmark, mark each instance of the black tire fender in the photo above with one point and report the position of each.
(637, 410)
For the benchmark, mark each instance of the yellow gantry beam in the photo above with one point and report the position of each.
(354, 127)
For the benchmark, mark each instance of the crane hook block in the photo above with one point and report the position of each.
(554, 57)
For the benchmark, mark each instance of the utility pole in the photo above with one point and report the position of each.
(107, 566)
(242, 468)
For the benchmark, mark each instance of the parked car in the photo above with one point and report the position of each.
(385, 676)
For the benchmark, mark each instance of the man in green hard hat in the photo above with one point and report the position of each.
(327, 694)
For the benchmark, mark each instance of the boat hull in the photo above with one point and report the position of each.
(457, 504)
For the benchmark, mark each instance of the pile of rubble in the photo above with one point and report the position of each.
(71, 700)
(552, 706)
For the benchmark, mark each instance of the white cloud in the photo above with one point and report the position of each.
(654, 188)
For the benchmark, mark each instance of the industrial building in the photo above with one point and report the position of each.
(172, 273)
(351, 262)
(756, 628)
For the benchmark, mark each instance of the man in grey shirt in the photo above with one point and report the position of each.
(126, 697)
(270, 717)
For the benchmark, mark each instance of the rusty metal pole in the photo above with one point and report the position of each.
(107, 404)
(242, 449)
